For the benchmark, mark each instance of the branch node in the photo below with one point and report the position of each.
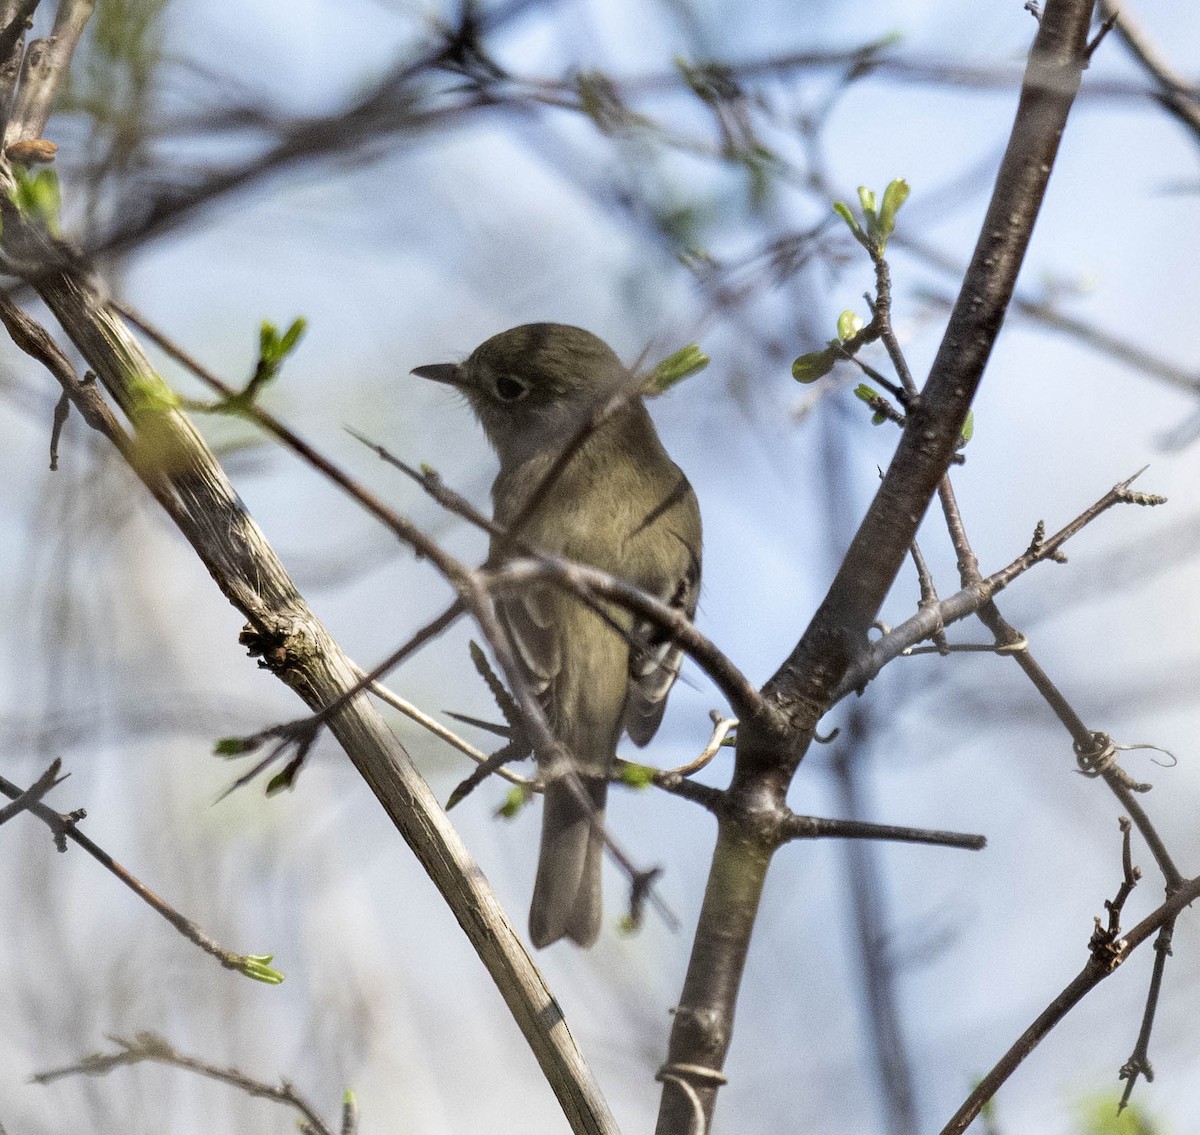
(1107, 949)
(1017, 646)
(1100, 759)
(692, 1072)
(641, 886)
(1090, 50)
(1128, 496)
(64, 824)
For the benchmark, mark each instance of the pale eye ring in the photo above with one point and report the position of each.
(509, 389)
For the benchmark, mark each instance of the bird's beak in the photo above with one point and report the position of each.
(439, 372)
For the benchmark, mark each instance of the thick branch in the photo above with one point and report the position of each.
(804, 682)
(207, 510)
(801, 689)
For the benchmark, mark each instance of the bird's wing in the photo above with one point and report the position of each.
(654, 660)
(528, 616)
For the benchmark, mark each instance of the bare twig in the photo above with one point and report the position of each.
(722, 726)
(1094, 751)
(1106, 944)
(1179, 96)
(577, 577)
(65, 827)
(816, 827)
(1138, 1063)
(47, 62)
(150, 1047)
(448, 735)
(1094, 972)
(34, 793)
(977, 590)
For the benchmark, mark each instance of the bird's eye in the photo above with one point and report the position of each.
(510, 389)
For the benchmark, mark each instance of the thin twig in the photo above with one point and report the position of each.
(34, 793)
(978, 590)
(448, 735)
(817, 827)
(1179, 96)
(1138, 1063)
(576, 577)
(47, 63)
(65, 827)
(1094, 972)
(722, 727)
(152, 1048)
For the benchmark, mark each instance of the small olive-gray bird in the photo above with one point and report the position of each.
(619, 504)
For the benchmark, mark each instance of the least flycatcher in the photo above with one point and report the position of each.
(619, 503)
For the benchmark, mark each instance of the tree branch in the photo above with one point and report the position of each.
(1094, 972)
(209, 513)
(47, 62)
(800, 691)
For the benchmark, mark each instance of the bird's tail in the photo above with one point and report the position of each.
(566, 896)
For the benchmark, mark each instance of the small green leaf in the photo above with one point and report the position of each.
(843, 211)
(37, 196)
(866, 198)
(866, 394)
(258, 966)
(636, 776)
(674, 368)
(893, 197)
(878, 418)
(849, 324)
(292, 336)
(287, 777)
(816, 364)
(273, 348)
(968, 429)
(514, 801)
(235, 746)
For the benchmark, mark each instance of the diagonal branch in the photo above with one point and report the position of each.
(65, 827)
(767, 755)
(1094, 972)
(1181, 98)
(24, 801)
(47, 62)
(149, 1047)
(210, 515)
